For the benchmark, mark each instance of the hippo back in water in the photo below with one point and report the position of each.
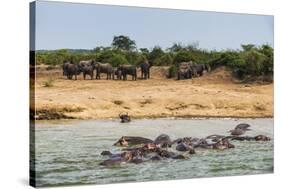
(163, 140)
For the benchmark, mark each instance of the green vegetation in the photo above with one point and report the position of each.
(250, 62)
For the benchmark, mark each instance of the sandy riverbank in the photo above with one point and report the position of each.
(216, 94)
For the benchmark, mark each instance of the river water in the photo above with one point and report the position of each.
(69, 152)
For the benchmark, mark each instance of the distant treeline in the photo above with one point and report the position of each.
(251, 61)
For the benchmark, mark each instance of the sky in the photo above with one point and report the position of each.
(86, 26)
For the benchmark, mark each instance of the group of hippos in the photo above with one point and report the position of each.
(139, 149)
(87, 67)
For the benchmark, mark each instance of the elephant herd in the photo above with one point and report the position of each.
(87, 67)
(185, 70)
(188, 70)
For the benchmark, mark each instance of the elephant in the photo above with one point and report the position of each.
(185, 70)
(88, 70)
(145, 70)
(199, 69)
(128, 69)
(103, 68)
(207, 67)
(64, 66)
(83, 63)
(118, 73)
(87, 67)
(71, 70)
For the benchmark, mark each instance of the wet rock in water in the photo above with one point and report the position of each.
(132, 140)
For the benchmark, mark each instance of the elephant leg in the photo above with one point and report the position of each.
(84, 76)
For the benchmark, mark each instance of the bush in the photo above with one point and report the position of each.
(172, 71)
(118, 59)
(183, 56)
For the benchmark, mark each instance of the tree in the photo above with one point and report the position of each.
(124, 43)
(156, 52)
(118, 59)
(176, 47)
(183, 56)
(248, 47)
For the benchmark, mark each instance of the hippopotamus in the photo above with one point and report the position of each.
(243, 126)
(163, 141)
(262, 138)
(132, 140)
(183, 147)
(125, 118)
(223, 144)
(204, 143)
(238, 132)
(117, 159)
(215, 138)
(125, 157)
(167, 154)
(248, 138)
(155, 158)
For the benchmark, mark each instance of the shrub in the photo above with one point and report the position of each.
(172, 71)
(118, 59)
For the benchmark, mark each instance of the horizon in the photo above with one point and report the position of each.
(95, 25)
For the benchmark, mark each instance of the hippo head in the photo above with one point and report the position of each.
(128, 155)
(150, 146)
(121, 142)
(262, 138)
